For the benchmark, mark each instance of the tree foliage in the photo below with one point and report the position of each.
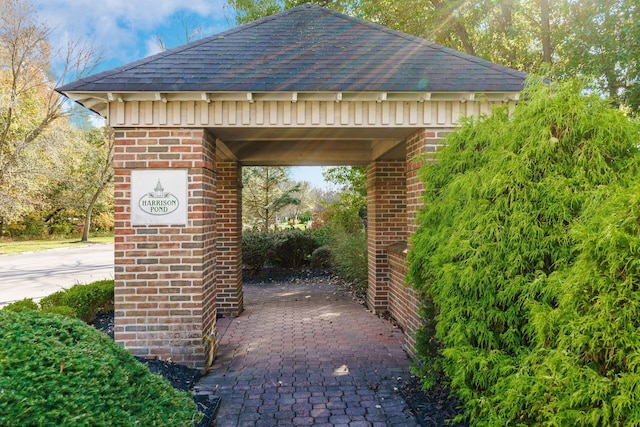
(28, 102)
(352, 181)
(512, 260)
(38, 146)
(266, 191)
(595, 39)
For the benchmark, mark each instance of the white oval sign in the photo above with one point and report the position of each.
(158, 202)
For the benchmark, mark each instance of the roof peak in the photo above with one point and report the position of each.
(307, 48)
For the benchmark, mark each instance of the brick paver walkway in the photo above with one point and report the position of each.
(305, 354)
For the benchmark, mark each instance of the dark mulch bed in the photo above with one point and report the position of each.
(181, 377)
(432, 408)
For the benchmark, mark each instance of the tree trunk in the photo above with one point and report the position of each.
(87, 217)
(546, 31)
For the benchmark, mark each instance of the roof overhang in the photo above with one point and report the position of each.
(99, 101)
(297, 128)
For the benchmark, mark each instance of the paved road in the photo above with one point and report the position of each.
(38, 274)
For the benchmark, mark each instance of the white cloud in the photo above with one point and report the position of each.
(123, 28)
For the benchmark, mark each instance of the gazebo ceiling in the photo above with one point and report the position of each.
(305, 54)
(321, 146)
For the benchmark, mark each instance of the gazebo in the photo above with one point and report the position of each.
(308, 86)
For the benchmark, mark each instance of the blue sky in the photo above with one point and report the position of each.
(127, 30)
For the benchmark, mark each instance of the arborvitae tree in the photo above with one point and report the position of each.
(501, 203)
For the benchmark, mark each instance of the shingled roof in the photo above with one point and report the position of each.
(308, 48)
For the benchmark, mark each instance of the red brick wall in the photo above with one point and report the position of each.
(229, 226)
(421, 146)
(387, 224)
(165, 275)
(403, 299)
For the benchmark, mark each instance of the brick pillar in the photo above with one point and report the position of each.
(229, 227)
(387, 224)
(165, 274)
(421, 147)
(404, 301)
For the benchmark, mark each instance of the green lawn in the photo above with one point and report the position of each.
(9, 247)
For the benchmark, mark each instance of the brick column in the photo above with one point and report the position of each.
(387, 224)
(165, 274)
(229, 227)
(404, 303)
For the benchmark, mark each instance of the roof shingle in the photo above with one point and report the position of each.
(308, 48)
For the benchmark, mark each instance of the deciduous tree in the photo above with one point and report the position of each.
(266, 191)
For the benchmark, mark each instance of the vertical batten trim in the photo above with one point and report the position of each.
(191, 112)
(331, 113)
(217, 112)
(315, 112)
(148, 112)
(426, 112)
(119, 112)
(176, 108)
(385, 113)
(204, 112)
(260, 112)
(232, 113)
(246, 112)
(344, 113)
(134, 110)
(273, 112)
(358, 113)
(413, 113)
(399, 112)
(442, 112)
(162, 112)
(300, 110)
(286, 113)
(455, 113)
(372, 112)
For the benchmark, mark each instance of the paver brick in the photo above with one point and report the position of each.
(322, 395)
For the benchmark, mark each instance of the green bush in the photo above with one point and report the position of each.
(284, 248)
(53, 300)
(22, 305)
(534, 321)
(60, 371)
(321, 257)
(258, 248)
(85, 300)
(63, 310)
(349, 256)
(294, 247)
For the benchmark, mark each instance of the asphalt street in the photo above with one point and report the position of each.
(38, 274)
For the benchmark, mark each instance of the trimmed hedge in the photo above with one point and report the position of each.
(60, 371)
(82, 301)
(285, 248)
(294, 248)
(526, 260)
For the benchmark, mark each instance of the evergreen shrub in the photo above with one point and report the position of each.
(22, 305)
(82, 301)
(349, 256)
(526, 258)
(258, 249)
(294, 247)
(290, 248)
(60, 371)
(321, 257)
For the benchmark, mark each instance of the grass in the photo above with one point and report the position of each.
(11, 247)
